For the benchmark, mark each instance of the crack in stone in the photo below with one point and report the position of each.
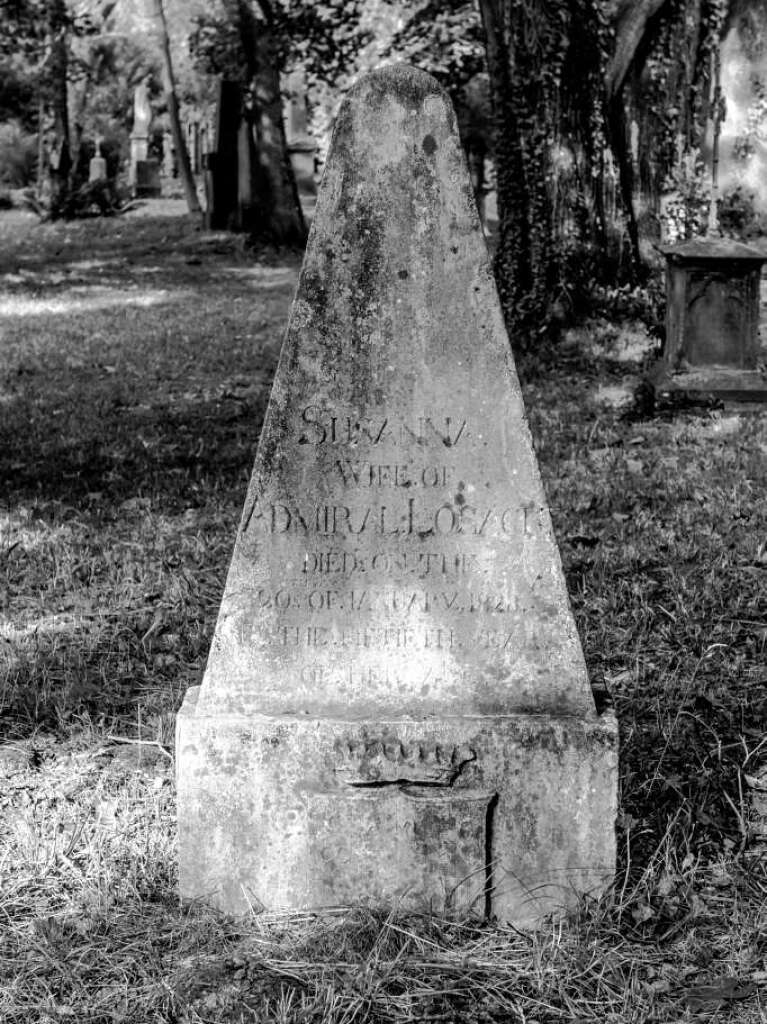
(446, 783)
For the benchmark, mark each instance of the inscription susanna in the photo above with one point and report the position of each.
(320, 426)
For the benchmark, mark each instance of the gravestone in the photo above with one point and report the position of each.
(139, 137)
(395, 708)
(97, 168)
(711, 350)
(147, 184)
(302, 149)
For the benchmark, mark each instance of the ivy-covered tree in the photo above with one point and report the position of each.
(546, 62)
(662, 85)
(571, 81)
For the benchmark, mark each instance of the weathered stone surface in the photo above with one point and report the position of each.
(712, 317)
(396, 704)
(512, 815)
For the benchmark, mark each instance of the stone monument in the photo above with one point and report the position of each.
(97, 168)
(711, 349)
(396, 709)
(139, 136)
(302, 148)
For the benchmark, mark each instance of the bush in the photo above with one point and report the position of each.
(18, 155)
(93, 199)
(645, 303)
(737, 214)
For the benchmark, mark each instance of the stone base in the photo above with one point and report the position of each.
(147, 180)
(708, 383)
(507, 816)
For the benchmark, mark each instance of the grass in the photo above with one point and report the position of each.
(135, 362)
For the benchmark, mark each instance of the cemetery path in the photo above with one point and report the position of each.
(135, 361)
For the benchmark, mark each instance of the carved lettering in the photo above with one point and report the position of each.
(318, 427)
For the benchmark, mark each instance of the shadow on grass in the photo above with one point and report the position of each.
(127, 436)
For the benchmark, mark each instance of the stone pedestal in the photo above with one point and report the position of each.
(504, 815)
(97, 169)
(712, 319)
(139, 149)
(302, 148)
(147, 184)
(396, 708)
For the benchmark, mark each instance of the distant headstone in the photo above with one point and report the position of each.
(97, 168)
(147, 180)
(302, 149)
(711, 348)
(139, 137)
(396, 706)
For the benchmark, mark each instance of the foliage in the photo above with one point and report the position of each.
(30, 27)
(324, 37)
(687, 194)
(18, 96)
(111, 67)
(738, 215)
(670, 92)
(445, 39)
(645, 303)
(756, 122)
(18, 155)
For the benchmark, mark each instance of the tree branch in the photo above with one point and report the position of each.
(630, 23)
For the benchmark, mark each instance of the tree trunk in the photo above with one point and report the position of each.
(616, 121)
(630, 23)
(269, 206)
(58, 160)
(169, 88)
(524, 258)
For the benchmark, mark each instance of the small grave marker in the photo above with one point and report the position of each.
(712, 320)
(396, 707)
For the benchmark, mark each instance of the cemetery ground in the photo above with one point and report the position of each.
(136, 356)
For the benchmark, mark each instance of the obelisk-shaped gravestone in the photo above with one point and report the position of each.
(396, 706)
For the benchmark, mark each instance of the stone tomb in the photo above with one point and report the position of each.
(712, 323)
(395, 709)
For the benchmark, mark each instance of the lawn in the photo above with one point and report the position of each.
(136, 356)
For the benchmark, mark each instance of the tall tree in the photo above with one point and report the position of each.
(253, 41)
(269, 196)
(171, 100)
(546, 64)
(40, 31)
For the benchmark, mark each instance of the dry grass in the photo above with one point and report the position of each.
(135, 360)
